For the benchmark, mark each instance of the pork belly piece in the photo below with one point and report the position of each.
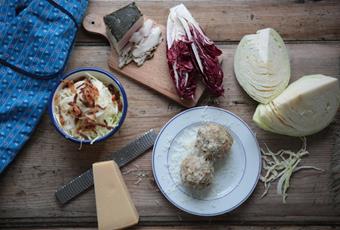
(121, 24)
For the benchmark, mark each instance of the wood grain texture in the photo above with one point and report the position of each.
(48, 160)
(209, 227)
(229, 20)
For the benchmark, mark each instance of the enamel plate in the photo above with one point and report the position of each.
(235, 176)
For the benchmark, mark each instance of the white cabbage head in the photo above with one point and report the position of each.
(261, 65)
(307, 106)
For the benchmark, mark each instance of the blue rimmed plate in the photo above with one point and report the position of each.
(235, 176)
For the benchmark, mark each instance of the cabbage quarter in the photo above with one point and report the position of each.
(306, 107)
(261, 65)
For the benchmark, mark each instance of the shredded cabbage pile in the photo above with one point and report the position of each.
(281, 165)
(87, 113)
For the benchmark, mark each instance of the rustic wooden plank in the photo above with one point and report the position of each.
(229, 20)
(215, 227)
(48, 160)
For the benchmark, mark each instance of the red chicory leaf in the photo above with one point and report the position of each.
(191, 55)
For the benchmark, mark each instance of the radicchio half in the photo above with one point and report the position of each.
(191, 55)
(182, 69)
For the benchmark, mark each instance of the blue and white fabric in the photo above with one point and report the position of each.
(36, 37)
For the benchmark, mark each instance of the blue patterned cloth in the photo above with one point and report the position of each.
(36, 37)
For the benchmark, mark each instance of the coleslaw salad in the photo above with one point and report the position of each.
(88, 106)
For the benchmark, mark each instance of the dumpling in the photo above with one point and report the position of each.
(196, 171)
(213, 141)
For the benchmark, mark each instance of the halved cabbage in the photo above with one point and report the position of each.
(306, 107)
(261, 65)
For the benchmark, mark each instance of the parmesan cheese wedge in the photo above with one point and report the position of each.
(115, 209)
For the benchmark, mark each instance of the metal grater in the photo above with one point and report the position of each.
(123, 156)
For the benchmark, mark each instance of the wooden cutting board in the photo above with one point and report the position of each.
(154, 73)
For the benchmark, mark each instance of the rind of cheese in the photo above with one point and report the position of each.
(115, 209)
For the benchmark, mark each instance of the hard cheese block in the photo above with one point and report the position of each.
(115, 209)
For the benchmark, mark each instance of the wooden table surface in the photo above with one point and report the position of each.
(311, 30)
